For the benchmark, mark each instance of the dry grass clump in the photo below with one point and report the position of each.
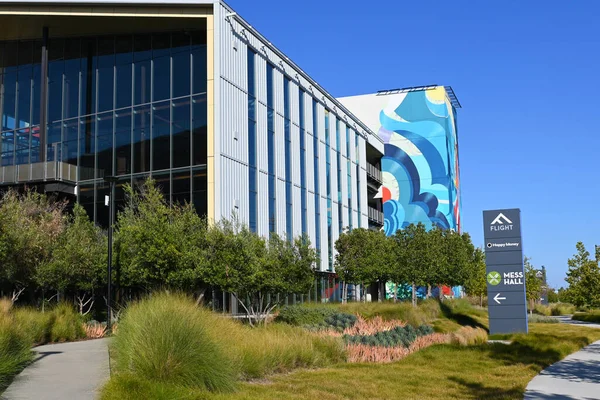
(467, 336)
(5, 305)
(94, 330)
(358, 353)
(364, 327)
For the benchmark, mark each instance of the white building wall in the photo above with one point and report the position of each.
(231, 145)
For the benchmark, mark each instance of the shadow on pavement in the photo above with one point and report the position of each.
(44, 354)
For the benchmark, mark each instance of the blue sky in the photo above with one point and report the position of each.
(526, 73)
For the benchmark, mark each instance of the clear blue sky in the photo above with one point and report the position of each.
(526, 72)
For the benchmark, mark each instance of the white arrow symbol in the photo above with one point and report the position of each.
(499, 298)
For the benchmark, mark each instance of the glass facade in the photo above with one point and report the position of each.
(252, 170)
(271, 148)
(288, 159)
(126, 105)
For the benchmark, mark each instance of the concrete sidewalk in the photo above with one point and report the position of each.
(63, 371)
(575, 377)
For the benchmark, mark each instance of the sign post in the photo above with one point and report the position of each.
(505, 275)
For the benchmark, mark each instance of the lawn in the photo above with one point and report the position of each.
(447, 371)
(441, 372)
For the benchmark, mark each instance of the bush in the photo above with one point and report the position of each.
(15, 350)
(469, 336)
(168, 339)
(541, 309)
(590, 316)
(303, 315)
(66, 324)
(425, 313)
(399, 336)
(542, 319)
(562, 309)
(35, 324)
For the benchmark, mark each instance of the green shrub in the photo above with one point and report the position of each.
(541, 309)
(589, 316)
(35, 324)
(542, 319)
(303, 315)
(167, 338)
(15, 350)
(399, 336)
(66, 324)
(562, 309)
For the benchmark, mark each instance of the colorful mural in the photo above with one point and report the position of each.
(421, 179)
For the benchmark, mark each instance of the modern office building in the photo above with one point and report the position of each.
(189, 93)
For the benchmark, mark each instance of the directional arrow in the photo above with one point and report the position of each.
(497, 298)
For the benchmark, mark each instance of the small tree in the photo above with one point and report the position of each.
(361, 257)
(415, 256)
(255, 271)
(30, 224)
(533, 286)
(78, 261)
(475, 282)
(583, 278)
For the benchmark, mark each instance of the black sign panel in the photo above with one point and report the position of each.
(505, 275)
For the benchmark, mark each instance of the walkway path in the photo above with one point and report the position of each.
(63, 371)
(575, 377)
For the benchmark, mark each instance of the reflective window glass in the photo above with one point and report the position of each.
(88, 76)
(123, 141)
(124, 80)
(37, 83)
(161, 67)
(142, 69)
(9, 87)
(104, 144)
(199, 191)
(87, 147)
(181, 64)
(53, 139)
(25, 54)
(199, 112)
(141, 139)
(106, 64)
(70, 142)
(8, 148)
(71, 78)
(199, 61)
(161, 140)
(182, 187)
(181, 133)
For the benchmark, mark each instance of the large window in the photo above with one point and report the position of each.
(349, 181)
(338, 151)
(126, 105)
(357, 160)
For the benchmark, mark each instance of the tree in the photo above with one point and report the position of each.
(255, 270)
(363, 257)
(414, 256)
(157, 243)
(78, 261)
(30, 225)
(552, 296)
(533, 285)
(475, 283)
(583, 278)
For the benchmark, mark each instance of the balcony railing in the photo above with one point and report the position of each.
(375, 216)
(41, 171)
(374, 173)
